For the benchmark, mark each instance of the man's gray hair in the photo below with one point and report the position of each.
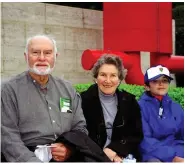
(109, 59)
(41, 36)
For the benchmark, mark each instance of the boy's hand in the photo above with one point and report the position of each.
(178, 159)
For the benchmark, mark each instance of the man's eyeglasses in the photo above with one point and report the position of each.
(45, 54)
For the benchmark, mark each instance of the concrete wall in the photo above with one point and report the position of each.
(74, 29)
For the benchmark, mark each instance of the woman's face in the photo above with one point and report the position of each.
(107, 78)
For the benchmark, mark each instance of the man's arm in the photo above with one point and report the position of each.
(60, 153)
(12, 146)
(79, 122)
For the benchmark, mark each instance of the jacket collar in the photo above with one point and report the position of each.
(148, 97)
(123, 97)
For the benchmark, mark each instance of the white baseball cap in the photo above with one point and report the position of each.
(155, 72)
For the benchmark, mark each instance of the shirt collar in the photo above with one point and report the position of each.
(46, 86)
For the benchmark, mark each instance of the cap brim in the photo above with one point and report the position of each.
(156, 77)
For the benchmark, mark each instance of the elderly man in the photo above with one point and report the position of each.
(37, 107)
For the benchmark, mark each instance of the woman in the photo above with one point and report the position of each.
(113, 117)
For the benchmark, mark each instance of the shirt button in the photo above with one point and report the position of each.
(49, 107)
(53, 121)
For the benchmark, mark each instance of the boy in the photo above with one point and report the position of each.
(162, 119)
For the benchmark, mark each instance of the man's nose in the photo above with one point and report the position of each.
(42, 56)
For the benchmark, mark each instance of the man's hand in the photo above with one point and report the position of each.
(112, 155)
(178, 159)
(60, 152)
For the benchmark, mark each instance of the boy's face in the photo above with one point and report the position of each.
(159, 86)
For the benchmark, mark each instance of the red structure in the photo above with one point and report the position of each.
(131, 27)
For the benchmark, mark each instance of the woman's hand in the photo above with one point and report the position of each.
(60, 152)
(117, 159)
(112, 155)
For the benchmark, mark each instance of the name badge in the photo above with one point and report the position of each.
(65, 105)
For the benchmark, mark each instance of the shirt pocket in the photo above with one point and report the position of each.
(67, 121)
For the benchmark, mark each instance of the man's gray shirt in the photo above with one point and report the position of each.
(32, 116)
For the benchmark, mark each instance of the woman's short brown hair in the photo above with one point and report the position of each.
(109, 59)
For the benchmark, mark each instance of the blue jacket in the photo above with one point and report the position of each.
(163, 136)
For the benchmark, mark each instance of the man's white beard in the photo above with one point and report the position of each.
(35, 70)
(40, 72)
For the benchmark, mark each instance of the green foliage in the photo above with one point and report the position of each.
(177, 94)
(82, 87)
